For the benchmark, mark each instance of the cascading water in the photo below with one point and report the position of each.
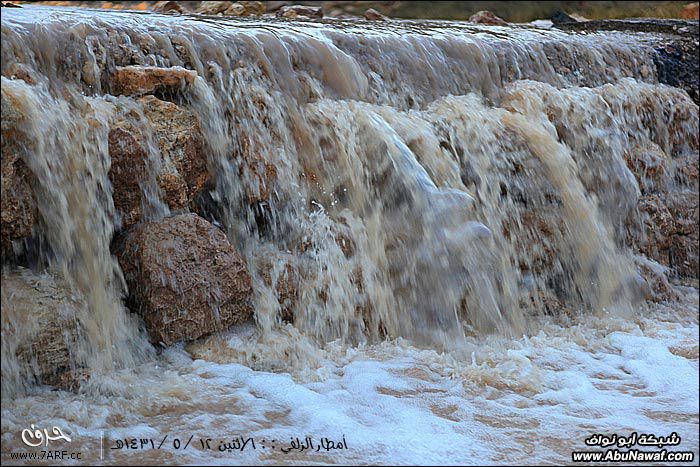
(426, 184)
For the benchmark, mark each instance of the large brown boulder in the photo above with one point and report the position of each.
(181, 168)
(184, 278)
(18, 213)
(138, 80)
(39, 328)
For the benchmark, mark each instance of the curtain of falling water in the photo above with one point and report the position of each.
(402, 180)
(67, 152)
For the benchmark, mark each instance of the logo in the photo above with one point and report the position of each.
(35, 437)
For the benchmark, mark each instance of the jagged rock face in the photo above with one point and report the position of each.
(179, 168)
(18, 202)
(184, 278)
(39, 326)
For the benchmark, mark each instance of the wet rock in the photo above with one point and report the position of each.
(245, 9)
(683, 252)
(373, 15)
(213, 8)
(486, 17)
(675, 42)
(185, 279)
(39, 327)
(300, 11)
(18, 204)
(127, 172)
(677, 64)
(17, 200)
(285, 280)
(656, 276)
(669, 234)
(137, 80)
(686, 171)
(20, 71)
(649, 164)
(684, 255)
(179, 135)
(168, 7)
(559, 17)
(182, 166)
(659, 226)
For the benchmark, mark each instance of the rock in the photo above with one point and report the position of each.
(136, 80)
(559, 17)
(245, 9)
(649, 164)
(285, 280)
(182, 164)
(39, 328)
(168, 7)
(684, 255)
(213, 8)
(687, 168)
(16, 199)
(185, 279)
(658, 287)
(180, 139)
(10, 5)
(127, 172)
(659, 226)
(20, 71)
(18, 205)
(486, 17)
(300, 11)
(670, 232)
(691, 11)
(684, 248)
(274, 6)
(373, 15)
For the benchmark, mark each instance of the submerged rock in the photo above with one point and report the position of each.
(39, 328)
(656, 276)
(138, 80)
(18, 214)
(185, 279)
